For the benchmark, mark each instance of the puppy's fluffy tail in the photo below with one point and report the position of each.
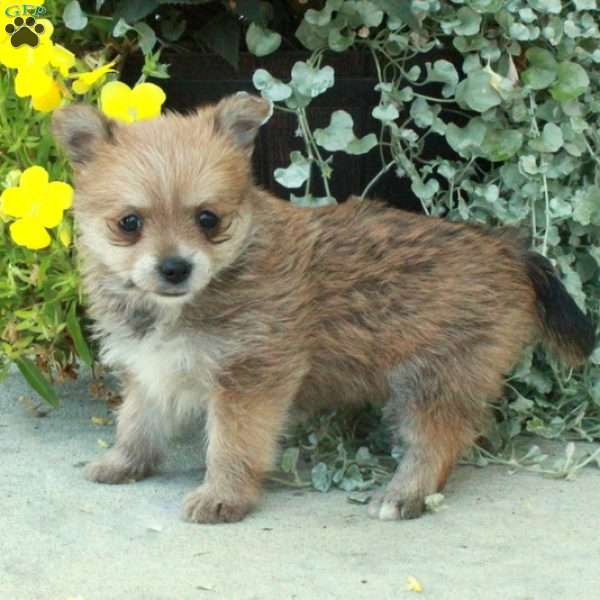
(566, 330)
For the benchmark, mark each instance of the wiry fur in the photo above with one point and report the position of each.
(342, 304)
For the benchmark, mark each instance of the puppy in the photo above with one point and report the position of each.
(211, 296)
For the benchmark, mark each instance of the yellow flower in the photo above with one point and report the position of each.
(37, 83)
(37, 205)
(84, 81)
(62, 59)
(120, 102)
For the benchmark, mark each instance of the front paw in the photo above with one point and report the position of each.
(114, 468)
(206, 505)
(392, 505)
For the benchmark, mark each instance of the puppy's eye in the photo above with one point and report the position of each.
(131, 223)
(207, 220)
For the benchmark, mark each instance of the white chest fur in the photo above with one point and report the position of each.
(174, 371)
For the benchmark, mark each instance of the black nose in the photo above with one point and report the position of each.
(175, 269)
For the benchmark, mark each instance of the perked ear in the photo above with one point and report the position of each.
(80, 129)
(240, 117)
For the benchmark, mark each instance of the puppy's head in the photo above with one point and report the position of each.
(163, 204)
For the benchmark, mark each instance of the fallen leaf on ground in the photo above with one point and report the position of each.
(413, 584)
(101, 421)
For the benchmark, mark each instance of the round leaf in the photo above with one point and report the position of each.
(571, 82)
(542, 69)
(73, 17)
(262, 41)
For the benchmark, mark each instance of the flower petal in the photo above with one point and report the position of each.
(62, 59)
(60, 194)
(49, 214)
(49, 100)
(147, 100)
(115, 101)
(32, 82)
(34, 182)
(15, 203)
(30, 233)
(84, 81)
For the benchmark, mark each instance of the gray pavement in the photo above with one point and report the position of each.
(500, 536)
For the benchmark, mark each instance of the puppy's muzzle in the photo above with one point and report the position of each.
(175, 270)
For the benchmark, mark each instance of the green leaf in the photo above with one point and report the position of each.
(270, 87)
(321, 477)
(297, 172)
(74, 329)
(501, 144)
(400, 11)
(73, 17)
(289, 460)
(352, 480)
(173, 27)
(551, 139)
(425, 191)
(133, 11)
(385, 113)
(121, 28)
(542, 69)
(312, 37)
(322, 17)
(262, 41)
(338, 134)
(587, 205)
(37, 380)
(146, 37)
(444, 72)
(362, 12)
(485, 6)
(362, 145)
(222, 36)
(309, 81)
(421, 113)
(339, 42)
(477, 93)
(546, 6)
(571, 82)
(469, 21)
(466, 141)
(364, 457)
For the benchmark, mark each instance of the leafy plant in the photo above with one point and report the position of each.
(519, 108)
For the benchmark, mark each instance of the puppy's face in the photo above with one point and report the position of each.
(162, 205)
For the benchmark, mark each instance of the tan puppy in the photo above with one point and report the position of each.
(209, 294)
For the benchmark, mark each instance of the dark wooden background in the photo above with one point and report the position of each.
(201, 78)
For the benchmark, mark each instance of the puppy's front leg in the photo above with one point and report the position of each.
(140, 441)
(243, 432)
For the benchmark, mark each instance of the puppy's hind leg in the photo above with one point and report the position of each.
(141, 439)
(435, 428)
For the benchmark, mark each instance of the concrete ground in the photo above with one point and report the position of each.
(501, 536)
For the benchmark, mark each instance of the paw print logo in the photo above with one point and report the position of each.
(24, 32)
